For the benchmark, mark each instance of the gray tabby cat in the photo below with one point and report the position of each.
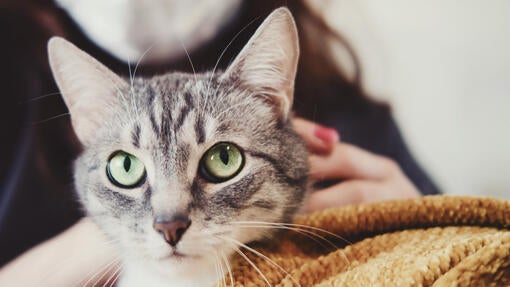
(180, 169)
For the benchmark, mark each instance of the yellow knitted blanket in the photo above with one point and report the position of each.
(432, 241)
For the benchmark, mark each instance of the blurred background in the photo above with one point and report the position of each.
(444, 66)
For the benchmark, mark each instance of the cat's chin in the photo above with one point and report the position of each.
(177, 257)
(174, 271)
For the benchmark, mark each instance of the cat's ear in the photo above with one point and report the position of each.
(89, 89)
(267, 64)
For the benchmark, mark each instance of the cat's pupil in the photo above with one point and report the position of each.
(127, 163)
(224, 156)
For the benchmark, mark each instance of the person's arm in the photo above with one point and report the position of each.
(69, 259)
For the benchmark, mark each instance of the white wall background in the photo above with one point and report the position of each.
(444, 65)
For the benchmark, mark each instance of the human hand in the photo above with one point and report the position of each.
(367, 177)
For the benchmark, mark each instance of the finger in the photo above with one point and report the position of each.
(345, 193)
(348, 161)
(359, 191)
(318, 139)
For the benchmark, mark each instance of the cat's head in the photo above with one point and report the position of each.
(173, 165)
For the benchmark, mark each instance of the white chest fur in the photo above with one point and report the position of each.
(148, 274)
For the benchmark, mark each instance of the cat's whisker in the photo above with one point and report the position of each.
(296, 225)
(226, 48)
(229, 269)
(114, 281)
(217, 270)
(269, 260)
(300, 229)
(94, 271)
(306, 233)
(112, 276)
(39, 98)
(209, 82)
(131, 79)
(222, 271)
(49, 119)
(142, 56)
(103, 270)
(97, 276)
(291, 228)
(188, 56)
(309, 234)
(252, 264)
(132, 89)
(64, 264)
(58, 267)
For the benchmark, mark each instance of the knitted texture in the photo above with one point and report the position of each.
(432, 241)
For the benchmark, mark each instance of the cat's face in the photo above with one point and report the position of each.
(173, 165)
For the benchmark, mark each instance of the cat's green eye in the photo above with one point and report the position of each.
(221, 162)
(125, 170)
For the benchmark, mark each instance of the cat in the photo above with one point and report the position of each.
(181, 169)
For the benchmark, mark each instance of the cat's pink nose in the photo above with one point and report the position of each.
(173, 228)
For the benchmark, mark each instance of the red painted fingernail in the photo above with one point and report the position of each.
(327, 135)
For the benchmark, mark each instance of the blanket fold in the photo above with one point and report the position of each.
(431, 241)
